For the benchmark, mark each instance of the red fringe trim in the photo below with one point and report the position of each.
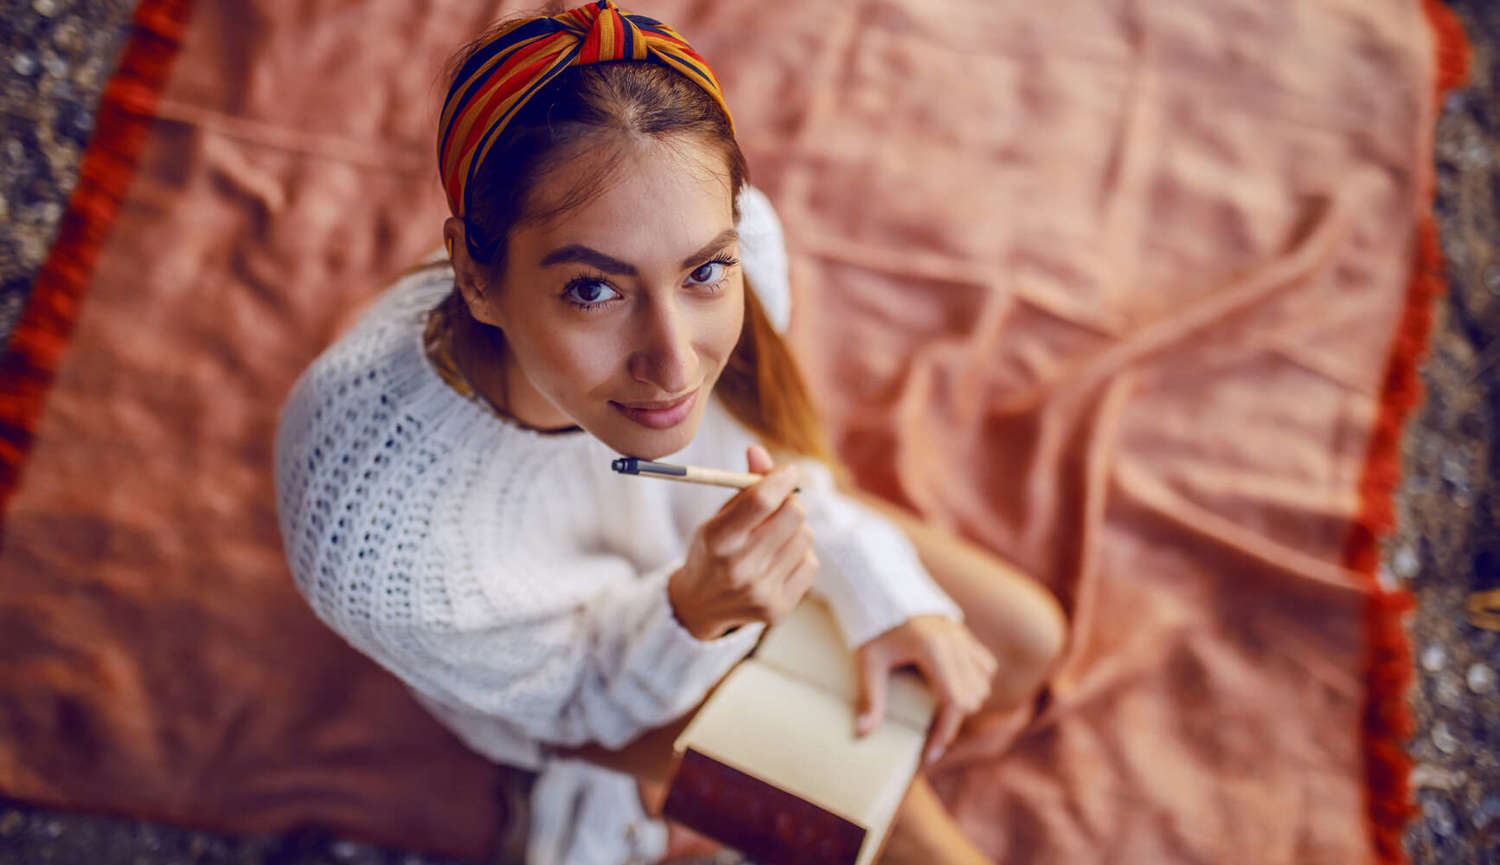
(126, 109)
(1387, 723)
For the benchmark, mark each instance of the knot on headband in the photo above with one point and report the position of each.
(504, 73)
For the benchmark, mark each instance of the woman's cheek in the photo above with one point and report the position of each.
(589, 363)
(731, 318)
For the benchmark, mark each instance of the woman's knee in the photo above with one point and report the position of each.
(1043, 628)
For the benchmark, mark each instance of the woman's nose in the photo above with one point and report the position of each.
(665, 356)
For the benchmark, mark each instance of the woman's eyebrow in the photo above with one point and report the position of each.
(610, 264)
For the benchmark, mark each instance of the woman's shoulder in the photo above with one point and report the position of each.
(366, 410)
(390, 319)
(375, 358)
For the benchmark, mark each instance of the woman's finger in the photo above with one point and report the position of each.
(758, 459)
(956, 670)
(759, 557)
(775, 591)
(790, 555)
(731, 527)
(979, 685)
(802, 578)
(986, 658)
(959, 681)
(944, 728)
(874, 669)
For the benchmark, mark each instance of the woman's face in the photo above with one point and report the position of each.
(620, 316)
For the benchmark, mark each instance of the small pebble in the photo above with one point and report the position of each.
(1443, 738)
(1433, 657)
(1405, 562)
(24, 64)
(1439, 816)
(1455, 472)
(55, 65)
(65, 34)
(1449, 692)
(1476, 154)
(1436, 777)
(31, 249)
(1480, 678)
(85, 75)
(149, 838)
(1492, 279)
(45, 8)
(1487, 811)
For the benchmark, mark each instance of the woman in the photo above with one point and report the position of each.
(443, 471)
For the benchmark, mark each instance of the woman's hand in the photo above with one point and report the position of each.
(957, 667)
(750, 562)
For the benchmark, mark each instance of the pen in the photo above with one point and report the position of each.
(691, 474)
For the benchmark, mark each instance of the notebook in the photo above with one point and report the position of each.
(770, 764)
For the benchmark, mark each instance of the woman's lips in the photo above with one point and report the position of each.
(660, 418)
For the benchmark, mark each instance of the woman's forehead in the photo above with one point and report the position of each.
(656, 202)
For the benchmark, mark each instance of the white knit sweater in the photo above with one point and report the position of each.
(513, 581)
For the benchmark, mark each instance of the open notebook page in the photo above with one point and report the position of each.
(807, 645)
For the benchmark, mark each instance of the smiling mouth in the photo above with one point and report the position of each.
(655, 406)
(658, 415)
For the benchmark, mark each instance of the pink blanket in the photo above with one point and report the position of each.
(1108, 287)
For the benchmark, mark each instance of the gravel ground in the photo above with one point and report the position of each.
(55, 56)
(1447, 545)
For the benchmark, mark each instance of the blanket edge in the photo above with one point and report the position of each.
(1386, 723)
(123, 120)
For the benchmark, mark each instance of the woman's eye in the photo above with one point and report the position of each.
(589, 291)
(710, 272)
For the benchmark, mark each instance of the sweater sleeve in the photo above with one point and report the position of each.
(604, 670)
(868, 569)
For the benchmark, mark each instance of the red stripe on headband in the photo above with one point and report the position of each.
(482, 123)
(590, 50)
(500, 72)
(500, 80)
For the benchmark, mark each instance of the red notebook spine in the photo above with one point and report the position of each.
(761, 820)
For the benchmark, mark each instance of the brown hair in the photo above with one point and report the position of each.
(761, 384)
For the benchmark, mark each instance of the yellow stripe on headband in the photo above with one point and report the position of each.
(500, 76)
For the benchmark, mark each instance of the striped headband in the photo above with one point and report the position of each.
(504, 73)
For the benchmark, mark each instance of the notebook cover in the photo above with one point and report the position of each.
(761, 820)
